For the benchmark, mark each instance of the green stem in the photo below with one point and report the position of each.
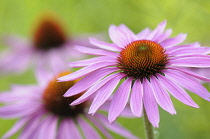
(148, 127)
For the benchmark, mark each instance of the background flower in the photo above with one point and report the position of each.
(49, 47)
(45, 113)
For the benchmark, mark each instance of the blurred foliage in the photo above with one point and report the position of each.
(94, 16)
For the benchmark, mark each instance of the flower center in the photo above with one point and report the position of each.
(141, 59)
(54, 101)
(48, 34)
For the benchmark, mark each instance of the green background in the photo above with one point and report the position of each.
(95, 16)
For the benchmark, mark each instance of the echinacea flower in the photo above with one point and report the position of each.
(49, 47)
(45, 114)
(144, 69)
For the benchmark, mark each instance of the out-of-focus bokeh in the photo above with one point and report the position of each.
(94, 17)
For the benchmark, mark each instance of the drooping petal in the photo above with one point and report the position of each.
(120, 99)
(104, 93)
(68, 129)
(16, 95)
(192, 45)
(88, 81)
(18, 125)
(173, 41)
(93, 89)
(48, 129)
(150, 104)
(15, 42)
(105, 45)
(88, 130)
(136, 102)
(96, 121)
(17, 110)
(115, 127)
(32, 127)
(191, 61)
(91, 61)
(176, 91)
(189, 51)
(162, 97)
(126, 113)
(188, 72)
(7, 63)
(183, 80)
(84, 71)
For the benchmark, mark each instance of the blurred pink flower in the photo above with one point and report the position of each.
(147, 66)
(49, 48)
(45, 114)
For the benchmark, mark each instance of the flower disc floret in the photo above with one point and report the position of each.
(142, 58)
(59, 105)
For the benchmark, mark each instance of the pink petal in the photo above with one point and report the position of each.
(17, 110)
(43, 77)
(120, 100)
(143, 34)
(96, 121)
(188, 72)
(32, 127)
(162, 97)
(163, 36)
(126, 113)
(118, 36)
(150, 104)
(129, 34)
(88, 81)
(92, 51)
(136, 102)
(84, 71)
(193, 45)
(190, 51)
(91, 61)
(7, 63)
(68, 129)
(18, 125)
(116, 127)
(104, 93)
(191, 61)
(157, 31)
(194, 86)
(48, 129)
(173, 41)
(176, 91)
(93, 89)
(56, 61)
(16, 96)
(104, 45)
(88, 130)
(15, 42)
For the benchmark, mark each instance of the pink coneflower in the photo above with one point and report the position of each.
(45, 114)
(50, 47)
(147, 66)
